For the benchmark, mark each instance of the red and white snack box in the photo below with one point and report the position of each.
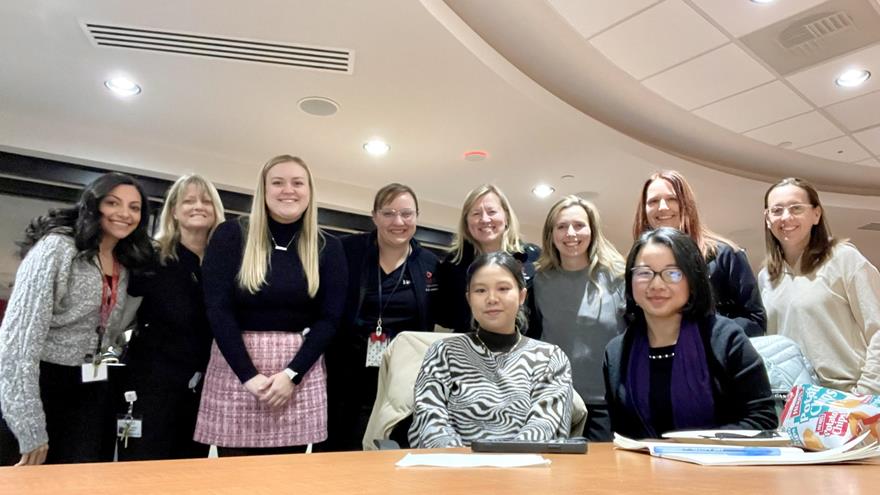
(819, 418)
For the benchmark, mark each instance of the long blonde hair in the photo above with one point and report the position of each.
(510, 240)
(257, 247)
(169, 230)
(600, 252)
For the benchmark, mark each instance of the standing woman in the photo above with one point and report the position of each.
(487, 224)
(679, 365)
(169, 352)
(391, 289)
(667, 200)
(493, 383)
(820, 291)
(65, 309)
(274, 291)
(579, 300)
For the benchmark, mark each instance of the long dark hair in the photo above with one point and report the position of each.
(82, 222)
(689, 259)
(508, 262)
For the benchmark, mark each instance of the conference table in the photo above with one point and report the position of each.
(601, 470)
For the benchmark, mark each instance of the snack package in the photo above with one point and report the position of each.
(819, 418)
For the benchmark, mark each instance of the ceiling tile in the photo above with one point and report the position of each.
(801, 131)
(858, 113)
(742, 17)
(589, 17)
(817, 83)
(658, 38)
(842, 149)
(870, 138)
(710, 77)
(755, 108)
(870, 161)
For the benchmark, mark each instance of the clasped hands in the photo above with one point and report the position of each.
(274, 390)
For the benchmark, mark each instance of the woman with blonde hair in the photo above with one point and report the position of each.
(820, 291)
(487, 224)
(269, 282)
(579, 300)
(169, 351)
(667, 200)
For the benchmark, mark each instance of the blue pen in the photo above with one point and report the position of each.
(744, 451)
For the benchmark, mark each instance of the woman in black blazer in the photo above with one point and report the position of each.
(391, 288)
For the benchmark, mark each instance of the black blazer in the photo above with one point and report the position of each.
(740, 387)
(736, 291)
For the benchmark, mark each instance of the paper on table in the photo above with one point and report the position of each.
(730, 437)
(473, 460)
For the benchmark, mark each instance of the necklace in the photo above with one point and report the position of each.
(661, 356)
(518, 338)
(281, 248)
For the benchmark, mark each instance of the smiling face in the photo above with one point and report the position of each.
(396, 221)
(790, 229)
(287, 191)
(120, 212)
(662, 205)
(487, 222)
(658, 298)
(194, 210)
(495, 298)
(571, 237)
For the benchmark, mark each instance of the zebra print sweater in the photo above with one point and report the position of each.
(464, 392)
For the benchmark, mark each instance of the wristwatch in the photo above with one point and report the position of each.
(290, 373)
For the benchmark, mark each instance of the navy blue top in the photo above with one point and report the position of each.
(736, 291)
(281, 304)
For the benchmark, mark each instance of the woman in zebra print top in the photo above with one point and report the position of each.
(493, 383)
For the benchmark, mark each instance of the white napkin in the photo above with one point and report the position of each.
(473, 460)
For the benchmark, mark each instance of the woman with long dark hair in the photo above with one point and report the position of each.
(667, 200)
(820, 291)
(169, 351)
(65, 310)
(679, 365)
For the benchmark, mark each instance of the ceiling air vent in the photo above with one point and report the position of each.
(871, 226)
(805, 37)
(301, 56)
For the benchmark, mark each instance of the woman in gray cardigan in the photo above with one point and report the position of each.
(64, 310)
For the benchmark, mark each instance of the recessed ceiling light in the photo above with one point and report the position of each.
(763, 1)
(318, 105)
(122, 86)
(376, 147)
(543, 190)
(852, 78)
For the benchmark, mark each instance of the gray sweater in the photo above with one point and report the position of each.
(52, 316)
(581, 317)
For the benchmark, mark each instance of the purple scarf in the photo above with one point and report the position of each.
(692, 404)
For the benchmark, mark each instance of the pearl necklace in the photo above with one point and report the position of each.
(662, 356)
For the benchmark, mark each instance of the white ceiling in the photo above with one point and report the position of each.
(431, 96)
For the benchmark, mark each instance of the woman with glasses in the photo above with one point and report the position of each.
(487, 224)
(667, 200)
(820, 291)
(579, 300)
(391, 288)
(679, 365)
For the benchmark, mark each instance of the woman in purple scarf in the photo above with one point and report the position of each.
(680, 366)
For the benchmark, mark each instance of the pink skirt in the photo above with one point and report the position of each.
(230, 416)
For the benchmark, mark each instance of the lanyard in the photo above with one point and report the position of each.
(109, 293)
(382, 308)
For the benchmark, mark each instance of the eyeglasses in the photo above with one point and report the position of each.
(794, 210)
(405, 214)
(644, 275)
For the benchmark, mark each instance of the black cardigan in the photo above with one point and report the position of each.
(455, 313)
(736, 291)
(740, 387)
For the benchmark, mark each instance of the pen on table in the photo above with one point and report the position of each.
(745, 451)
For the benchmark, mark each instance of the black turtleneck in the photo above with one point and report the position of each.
(498, 342)
(282, 304)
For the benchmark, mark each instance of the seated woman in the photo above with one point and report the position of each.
(679, 365)
(492, 383)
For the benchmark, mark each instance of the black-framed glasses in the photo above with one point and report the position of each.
(644, 275)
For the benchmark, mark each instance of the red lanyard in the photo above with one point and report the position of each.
(109, 293)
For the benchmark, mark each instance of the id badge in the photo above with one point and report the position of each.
(92, 372)
(376, 346)
(128, 427)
